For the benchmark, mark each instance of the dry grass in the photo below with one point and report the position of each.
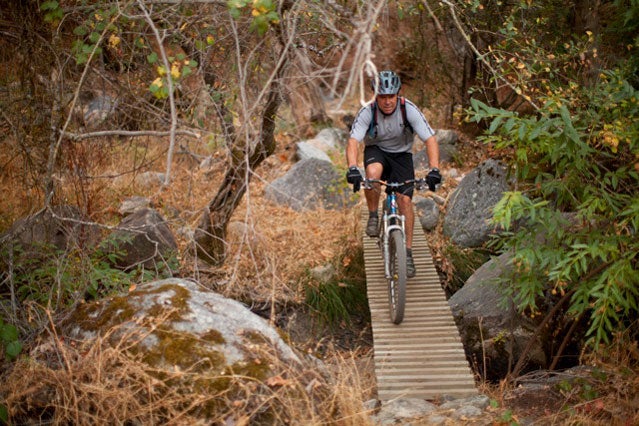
(103, 381)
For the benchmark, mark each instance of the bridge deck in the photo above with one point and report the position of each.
(422, 357)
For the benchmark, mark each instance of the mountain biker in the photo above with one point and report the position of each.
(388, 133)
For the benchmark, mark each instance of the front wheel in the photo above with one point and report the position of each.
(397, 280)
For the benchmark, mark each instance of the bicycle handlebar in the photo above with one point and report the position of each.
(419, 183)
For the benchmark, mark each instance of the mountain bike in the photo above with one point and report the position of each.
(391, 239)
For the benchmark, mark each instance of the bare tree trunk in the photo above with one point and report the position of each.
(210, 237)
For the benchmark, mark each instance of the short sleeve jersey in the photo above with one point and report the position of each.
(390, 134)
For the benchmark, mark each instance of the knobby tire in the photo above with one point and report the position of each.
(397, 281)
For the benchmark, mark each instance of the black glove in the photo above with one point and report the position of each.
(433, 179)
(354, 177)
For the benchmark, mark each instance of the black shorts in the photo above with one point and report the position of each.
(398, 167)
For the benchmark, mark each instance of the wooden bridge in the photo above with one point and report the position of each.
(422, 357)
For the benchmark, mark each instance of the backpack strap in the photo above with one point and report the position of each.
(402, 105)
(372, 128)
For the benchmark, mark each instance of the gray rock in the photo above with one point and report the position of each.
(479, 401)
(470, 208)
(453, 411)
(405, 408)
(427, 212)
(31, 239)
(306, 150)
(311, 184)
(466, 412)
(446, 137)
(150, 179)
(131, 204)
(142, 238)
(333, 138)
(98, 110)
(447, 141)
(176, 322)
(490, 328)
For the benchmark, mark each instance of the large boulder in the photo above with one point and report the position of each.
(177, 322)
(184, 352)
(494, 334)
(471, 204)
(311, 184)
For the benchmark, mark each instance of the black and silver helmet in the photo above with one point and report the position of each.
(389, 83)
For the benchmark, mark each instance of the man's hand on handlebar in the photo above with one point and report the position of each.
(354, 177)
(433, 179)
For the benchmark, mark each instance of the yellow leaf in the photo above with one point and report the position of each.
(175, 71)
(114, 40)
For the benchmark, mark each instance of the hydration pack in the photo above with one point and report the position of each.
(372, 128)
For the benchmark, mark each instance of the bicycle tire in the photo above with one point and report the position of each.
(397, 280)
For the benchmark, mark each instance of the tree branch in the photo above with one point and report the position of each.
(129, 133)
(169, 80)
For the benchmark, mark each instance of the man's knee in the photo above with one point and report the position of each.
(404, 201)
(374, 170)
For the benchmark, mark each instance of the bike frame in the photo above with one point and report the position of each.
(392, 220)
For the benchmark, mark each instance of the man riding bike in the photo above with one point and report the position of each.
(388, 134)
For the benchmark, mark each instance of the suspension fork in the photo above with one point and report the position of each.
(392, 220)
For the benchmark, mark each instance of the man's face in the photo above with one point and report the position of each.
(387, 103)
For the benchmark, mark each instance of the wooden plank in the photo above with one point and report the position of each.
(423, 356)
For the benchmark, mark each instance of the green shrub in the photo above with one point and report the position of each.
(10, 340)
(334, 301)
(578, 171)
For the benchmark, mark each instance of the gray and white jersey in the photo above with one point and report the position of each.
(391, 135)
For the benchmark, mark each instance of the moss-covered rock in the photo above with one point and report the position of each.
(175, 323)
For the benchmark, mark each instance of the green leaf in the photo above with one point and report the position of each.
(13, 349)
(152, 58)
(8, 333)
(81, 30)
(493, 126)
(4, 414)
(49, 5)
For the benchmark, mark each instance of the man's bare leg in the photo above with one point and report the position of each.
(373, 171)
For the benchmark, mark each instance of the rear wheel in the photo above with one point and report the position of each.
(397, 281)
